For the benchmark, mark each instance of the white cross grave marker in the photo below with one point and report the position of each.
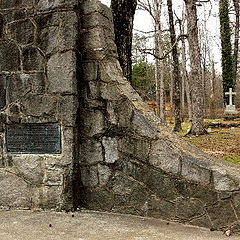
(230, 93)
(230, 109)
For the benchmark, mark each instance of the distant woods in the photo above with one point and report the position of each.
(172, 65)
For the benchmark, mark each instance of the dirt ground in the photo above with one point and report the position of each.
(30, 225)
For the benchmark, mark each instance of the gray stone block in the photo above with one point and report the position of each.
(164, 155)
(89, 71)
(14, 191)
(104, 174)
(89, 176)
(15, 3)
(46, 5)
(189, 208)
(110, 149)
(17, 86)
(2, 91)
(121, 184)
(30, 167)
(223, 181)
(91, 152)
(221, 214)
(67, 110)
(47, 40)
(195, 170)
(39, 105)
(22, 31)
(61, 72)
(160, 208)
(68, 30)
(93, 123)
(32, 59)
(142, 126)
(135, 147)
(7, 61)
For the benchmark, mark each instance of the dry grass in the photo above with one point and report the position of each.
(220, 142)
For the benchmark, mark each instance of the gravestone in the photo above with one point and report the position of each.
(230, 108)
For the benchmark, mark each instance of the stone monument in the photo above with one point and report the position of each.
(74, 133)
(230, 108)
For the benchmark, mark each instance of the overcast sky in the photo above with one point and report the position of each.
(143, 22)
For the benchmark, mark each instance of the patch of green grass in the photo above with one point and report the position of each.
(232, 159)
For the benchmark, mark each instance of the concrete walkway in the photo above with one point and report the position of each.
(30, 225)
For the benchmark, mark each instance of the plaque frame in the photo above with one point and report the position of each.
(33, 138)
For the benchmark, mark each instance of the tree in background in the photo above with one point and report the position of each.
(227, 57)
(197, 127)
(176, 71)
(123, 16)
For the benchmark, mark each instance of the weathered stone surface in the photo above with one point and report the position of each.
(188, 208)
(22, 31)
(236, 203)
(160, 208)
(164, 156)
(121, 185)
(1, 25)
(17, 86)
(48, 40)
(195, 170)
(62, 73)
(197, 191)
(93, 123)
(202, 221)
(7, 61)
(39, 105)
(110, 149)
(89, 175)
(32, 59)
(68, 30)
(14, 191)
(221, 214)
(53, 176)
(67, 111)
(30, 167)
(98, 199)
(136, 147)
(222, 181)
(15, 3)
(1, 152)
(91, 151)
(89, 71)
(142, 127)
(104, 173)
(47, 197)
(2, 91)
(161, 184)
(44, 5)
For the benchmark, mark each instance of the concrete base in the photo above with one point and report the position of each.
(29, 225)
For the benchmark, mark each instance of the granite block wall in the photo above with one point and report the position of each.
(38, 84)
(130, 161)
(58, 64)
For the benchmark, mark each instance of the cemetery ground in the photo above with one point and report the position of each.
(222, 140)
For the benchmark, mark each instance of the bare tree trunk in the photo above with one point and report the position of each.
(185, 81)
(160, 98)
(176, 71)
(195, 60)
(123, 15)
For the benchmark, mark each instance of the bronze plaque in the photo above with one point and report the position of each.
(33, 138)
